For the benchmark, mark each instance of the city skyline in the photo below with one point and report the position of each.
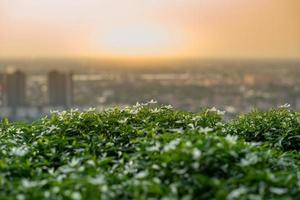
(150, 29)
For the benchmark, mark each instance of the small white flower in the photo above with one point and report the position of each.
(51, 171)
(250, 159)
(285, 105)
(74, 162)
(60, 178)
(55, 189)
(152, 102)
(104, 188)
(65, 169)
(91, 162)
(81, 168)
(235, 194)
(188, 144)
(74, 110)
(176, 130)
(156, 180)
(155, 110)
(278, 191)
(142, 174)
(52, 128)
(191, 126)
(19, 131)
(173, 188)
(205, 130)
(195, 165)
(254, 143)
(29, 184)
(196, 154)
(155, 147)
(123, 121)
(19, 151)
(231, 138)
(55, 112)
(20, 197)
(137, 105)
(46, 194)
(134, 111)
(155, 166)
(168, 107)
(97, 180)
(171, 145)
(219, 112)
(91, 109)
(76, 196)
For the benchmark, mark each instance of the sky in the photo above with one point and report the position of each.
(150, 28)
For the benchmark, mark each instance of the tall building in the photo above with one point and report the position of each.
(60, 89)
(2, 89)
(15, 89)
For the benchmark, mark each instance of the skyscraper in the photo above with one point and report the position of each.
(15, 89)
(2, 89)
(60, 89)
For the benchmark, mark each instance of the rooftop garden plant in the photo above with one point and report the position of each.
(152, 152)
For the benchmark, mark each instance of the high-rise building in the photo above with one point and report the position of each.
(2, 89)
(60, 89)
(15, 89)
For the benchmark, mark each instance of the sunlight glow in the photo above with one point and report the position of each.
(185, 28)
(137, 40)
(134, 39)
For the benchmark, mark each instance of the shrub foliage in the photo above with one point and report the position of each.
(148, 152)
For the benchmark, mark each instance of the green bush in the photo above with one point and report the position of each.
(147, 152)
(278, 127)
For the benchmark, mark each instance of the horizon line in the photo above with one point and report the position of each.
(149, 58)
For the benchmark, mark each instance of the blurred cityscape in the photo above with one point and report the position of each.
(30, 88)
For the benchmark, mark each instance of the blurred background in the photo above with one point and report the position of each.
(234, 55)
(29, 91)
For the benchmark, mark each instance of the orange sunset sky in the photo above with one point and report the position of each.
(150, 28)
